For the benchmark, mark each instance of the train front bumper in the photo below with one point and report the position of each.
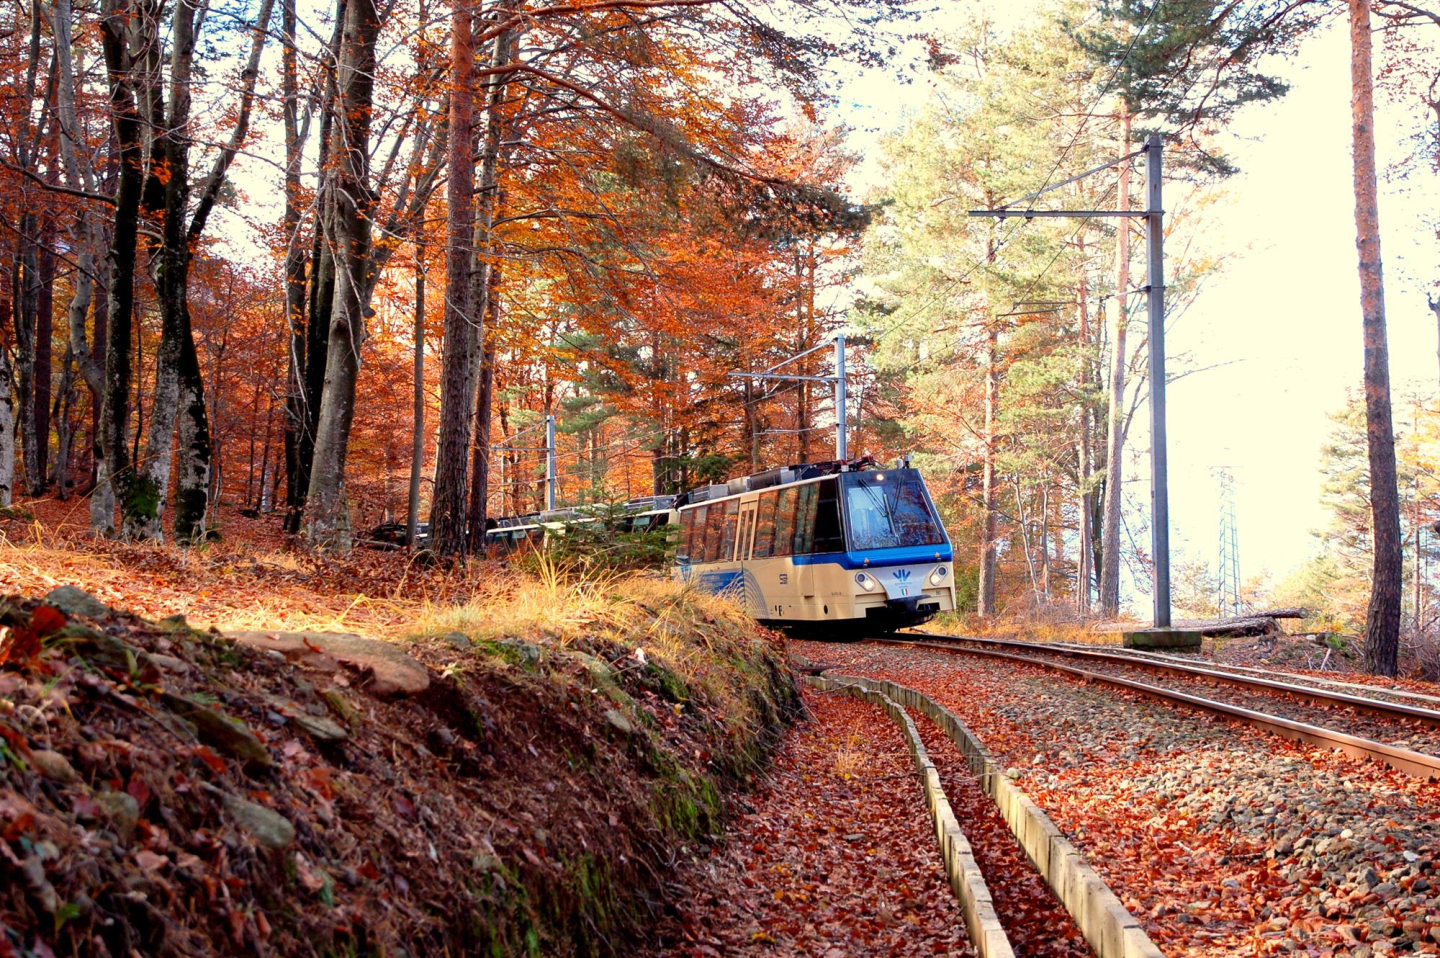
(901, 611)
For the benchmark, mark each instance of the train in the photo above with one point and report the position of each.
(828, 548)
(832, 548)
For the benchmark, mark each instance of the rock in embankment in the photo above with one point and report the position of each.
(385, 669)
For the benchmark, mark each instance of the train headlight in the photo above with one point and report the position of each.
(865, 582)
(938, 576)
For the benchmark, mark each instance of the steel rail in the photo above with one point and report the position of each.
(1298, 676)
(1402, 759)
(1310, 693)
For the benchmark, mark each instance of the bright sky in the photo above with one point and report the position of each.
(1285, 313)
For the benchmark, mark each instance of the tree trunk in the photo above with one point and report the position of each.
(142, 513)
(27, 305)
(64, 425)
(295, 265)
(417, 441)
(44, 330)
(7, 429)
(1115, 450)
(1083, 567)
(484, 406)
(113, 476)
(1435, 308)
(320, 302)
(1382, 621)
(985, 600)
(459, 367)
(350, 202)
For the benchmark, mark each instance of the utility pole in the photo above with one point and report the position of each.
(842, 447)
(1159, 457)
(1154, 215)
(550, 479)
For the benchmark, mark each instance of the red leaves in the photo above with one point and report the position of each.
(23, 644)
(837, 859)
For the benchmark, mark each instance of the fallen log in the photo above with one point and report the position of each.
(1240, 628)
(1294, 612)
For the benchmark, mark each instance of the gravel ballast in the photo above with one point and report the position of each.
(1221, 839)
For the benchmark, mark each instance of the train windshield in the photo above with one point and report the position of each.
(887, 510)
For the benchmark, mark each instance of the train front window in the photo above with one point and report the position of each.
(888, 510)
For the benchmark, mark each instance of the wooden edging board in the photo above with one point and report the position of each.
(1106, 924)
(982, 924)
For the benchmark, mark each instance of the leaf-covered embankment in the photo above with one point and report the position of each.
(165, 791)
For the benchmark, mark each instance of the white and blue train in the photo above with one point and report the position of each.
(839, 548)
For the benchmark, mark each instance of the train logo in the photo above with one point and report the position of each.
(902, 576)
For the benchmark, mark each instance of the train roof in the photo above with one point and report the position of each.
(779, 476)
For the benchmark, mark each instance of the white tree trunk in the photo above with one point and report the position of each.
(1110, 532)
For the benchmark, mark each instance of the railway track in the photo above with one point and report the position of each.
(1368, 717)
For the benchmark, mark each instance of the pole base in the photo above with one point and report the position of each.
(1184, 640)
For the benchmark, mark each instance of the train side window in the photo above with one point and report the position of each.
(829, 533)
(714, 531)
(687, 527)
(805, 520)
(727, 539)
(696, 535)
(764, 526)
(785, 522)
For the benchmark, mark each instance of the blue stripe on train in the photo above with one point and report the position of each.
(904, 555)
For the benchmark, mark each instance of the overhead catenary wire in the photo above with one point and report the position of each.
(1045, 187)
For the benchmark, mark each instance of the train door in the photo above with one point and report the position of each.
(743, 539)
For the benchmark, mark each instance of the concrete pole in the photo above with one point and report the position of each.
(841, 446)
(550, 479)
(1155, 299)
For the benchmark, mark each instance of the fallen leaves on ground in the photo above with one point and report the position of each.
(835, 857)
(1222, 840)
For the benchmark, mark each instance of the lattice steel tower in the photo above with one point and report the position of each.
(1228, 578)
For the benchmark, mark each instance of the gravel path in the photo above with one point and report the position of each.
(835, 858)
(1221, 839)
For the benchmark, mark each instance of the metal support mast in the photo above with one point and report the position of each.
(1154, 215)
(842, 446)
(550, 479)
(1159, 456)
(1228, 577)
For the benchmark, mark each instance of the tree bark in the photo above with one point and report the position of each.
(985, 600)
(44, 331)
(27, 307)
(1435, 308)
(351, 203)
(113, 476)
(1115, 449)
(319, 304)
(295, 267)
(64, 425)
(1382, 622)
(7, 429)
(142, 513)
(484, 412)
(1083, 567)
(459, 369)
(417, 440)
